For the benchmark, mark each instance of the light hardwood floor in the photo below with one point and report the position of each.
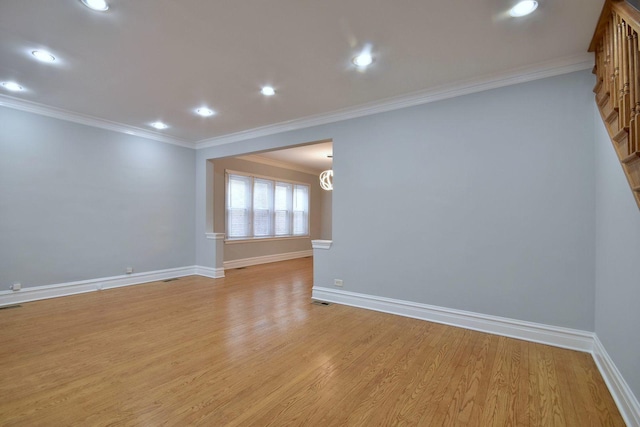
(251, 349)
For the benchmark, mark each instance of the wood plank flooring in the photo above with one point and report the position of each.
(251, 350)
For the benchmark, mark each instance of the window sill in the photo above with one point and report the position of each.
(262, 239)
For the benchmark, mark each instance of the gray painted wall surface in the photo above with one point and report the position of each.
(80, 203)
(326, 215)
(617, 259)
(254, 249)
(483, 203)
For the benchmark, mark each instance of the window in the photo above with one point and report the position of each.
(260, 207)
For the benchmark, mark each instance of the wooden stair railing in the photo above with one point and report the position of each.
(617, 57)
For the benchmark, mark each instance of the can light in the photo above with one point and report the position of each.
(205, 112)
(12, 86)
(158, 125)
(363, 60)
(268, 91)
(43, 55)
(99, 5)
(523, 8)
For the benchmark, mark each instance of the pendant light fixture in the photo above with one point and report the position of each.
(326, 180)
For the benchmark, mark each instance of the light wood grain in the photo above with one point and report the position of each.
(251, 349)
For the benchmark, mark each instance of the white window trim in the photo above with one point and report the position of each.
(234, 240)
(261, 239)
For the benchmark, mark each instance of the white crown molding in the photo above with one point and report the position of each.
(465, 87)
(256, 158)
(620, 391)
(247, 262)
(57, 113)
(572, 339)
(321, 244)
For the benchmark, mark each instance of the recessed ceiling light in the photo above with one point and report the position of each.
(523, 8)
(268, 91)
(363, 60)
(12, 86)
(205, 112)
(99, 5)
(43, 55)
(158, 125)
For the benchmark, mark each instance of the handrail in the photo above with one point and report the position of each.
(617, 66)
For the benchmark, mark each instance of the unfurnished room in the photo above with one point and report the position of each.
(319, 213)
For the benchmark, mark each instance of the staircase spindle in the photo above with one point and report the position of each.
(625, 114)
(616, 58)
(617, 67)
(629, 91)
(635, 90)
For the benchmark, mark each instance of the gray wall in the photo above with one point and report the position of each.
(617, 260)
(78, 202)
(326, 216)
(236, 251)
(484, 202)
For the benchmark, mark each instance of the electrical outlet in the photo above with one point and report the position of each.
(16, 287)
(337, 282)
(129, 270)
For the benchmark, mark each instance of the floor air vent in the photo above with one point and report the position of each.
(171, 280)
(320, 303)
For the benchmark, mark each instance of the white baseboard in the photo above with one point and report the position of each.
(557, 336)
(213, 273)
(246, 262)
(622, 394)
(71, 288)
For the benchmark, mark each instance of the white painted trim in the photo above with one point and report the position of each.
(321, 244)
(552, 335)
(465, 87)
(36, 293)
(215, 236)
(256, 158)
(71, 288)
(246, 262)
(58, 113)
(213, 273)
(479, 84)
(620, 391)
(240, 240)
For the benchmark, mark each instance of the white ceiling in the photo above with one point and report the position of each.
(312, 158)
(148, 60)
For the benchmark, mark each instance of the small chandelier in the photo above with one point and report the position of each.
(326, 180)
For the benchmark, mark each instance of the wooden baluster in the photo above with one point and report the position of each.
(608, 42)
(624, 75)
(601, 67)
(615, 57)
(631, 90)
(635, 88)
